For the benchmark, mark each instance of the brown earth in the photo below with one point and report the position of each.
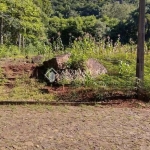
(119, 125)
(17, 68)
(74, 128)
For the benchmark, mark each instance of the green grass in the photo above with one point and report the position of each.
(120, 62)
(25, 89)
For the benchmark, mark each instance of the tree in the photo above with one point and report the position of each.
(116, 10)
(20, 20)
(3, 9)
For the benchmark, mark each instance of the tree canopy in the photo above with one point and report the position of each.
(28, 21)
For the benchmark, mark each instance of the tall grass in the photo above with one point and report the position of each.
(120, 60)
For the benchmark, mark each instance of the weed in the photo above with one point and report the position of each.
(124, 69)
(120, 61)
(3, 80)
(27, 89)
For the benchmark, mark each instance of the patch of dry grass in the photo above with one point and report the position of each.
(25, 89)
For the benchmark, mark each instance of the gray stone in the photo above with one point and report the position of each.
(95, 68)
(71, 75)
(65, 74)
(37, 59)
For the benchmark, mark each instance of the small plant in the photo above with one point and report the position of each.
(76, 63)
(124, 69)
(3, 80)
(65, 78)
(89, 81)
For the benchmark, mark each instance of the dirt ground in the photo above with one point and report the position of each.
(124, 125)
(42, 127)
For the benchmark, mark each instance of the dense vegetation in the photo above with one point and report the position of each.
(102, 29)
(30, 22)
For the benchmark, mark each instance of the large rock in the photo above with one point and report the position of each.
(59, 62)
(37, 59)
(65, 74)
(95, 68)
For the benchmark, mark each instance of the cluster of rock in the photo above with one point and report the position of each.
(63, 73)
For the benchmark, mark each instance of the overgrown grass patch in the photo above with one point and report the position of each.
(25, 89)
(120, 61)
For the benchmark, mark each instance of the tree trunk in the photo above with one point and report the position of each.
(23, 42)
(121, 1)
(1, 30)
(141, 39)
(19, 40)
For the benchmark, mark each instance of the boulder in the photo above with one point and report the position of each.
(65, 74)
(94, 67)
(58, 62)
(37, 59)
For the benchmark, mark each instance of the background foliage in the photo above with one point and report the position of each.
(26, 22)
(102, 29)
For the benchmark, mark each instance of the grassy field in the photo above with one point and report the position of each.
(120, 61)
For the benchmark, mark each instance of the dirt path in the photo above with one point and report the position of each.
(74, 128)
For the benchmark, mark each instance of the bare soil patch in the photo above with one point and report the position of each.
(15, 68)
(74, 128)
(118, 124)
